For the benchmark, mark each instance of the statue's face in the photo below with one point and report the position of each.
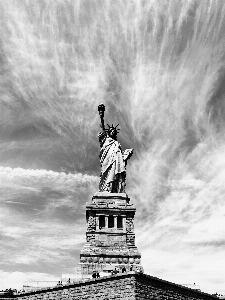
(113, 134)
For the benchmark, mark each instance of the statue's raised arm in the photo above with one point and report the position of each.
(113, 160)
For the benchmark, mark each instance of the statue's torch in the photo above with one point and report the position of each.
(101, 110)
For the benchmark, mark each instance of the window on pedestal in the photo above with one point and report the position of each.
(101, 222)
(119, 222)
(111, 221)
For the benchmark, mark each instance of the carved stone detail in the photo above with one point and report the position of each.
(90, 238)
(131, 239)
(130, 225)
(91, 225)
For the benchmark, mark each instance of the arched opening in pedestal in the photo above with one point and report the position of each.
(119, 222)
(111, 221)
(101, 222)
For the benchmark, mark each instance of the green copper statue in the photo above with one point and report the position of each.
(113, 160)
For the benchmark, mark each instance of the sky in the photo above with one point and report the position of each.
(158, 66)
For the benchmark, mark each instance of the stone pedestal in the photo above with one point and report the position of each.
(110, 238)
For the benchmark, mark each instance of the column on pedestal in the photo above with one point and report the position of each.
(106, 221)
(115, 222)
(124, 222)
(97, 222)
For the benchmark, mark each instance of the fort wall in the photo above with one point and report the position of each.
(121, 286)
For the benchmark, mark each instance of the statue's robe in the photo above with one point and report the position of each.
(112, 165)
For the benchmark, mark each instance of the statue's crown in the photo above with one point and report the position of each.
(112, 129)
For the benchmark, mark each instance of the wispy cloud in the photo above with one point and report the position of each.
(42, 218)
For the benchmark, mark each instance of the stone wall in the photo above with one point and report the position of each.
(149, 287)
(121, 286)
(112, 287)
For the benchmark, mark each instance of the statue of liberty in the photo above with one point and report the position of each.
(113, 160)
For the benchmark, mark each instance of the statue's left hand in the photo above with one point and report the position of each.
(127, 154)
